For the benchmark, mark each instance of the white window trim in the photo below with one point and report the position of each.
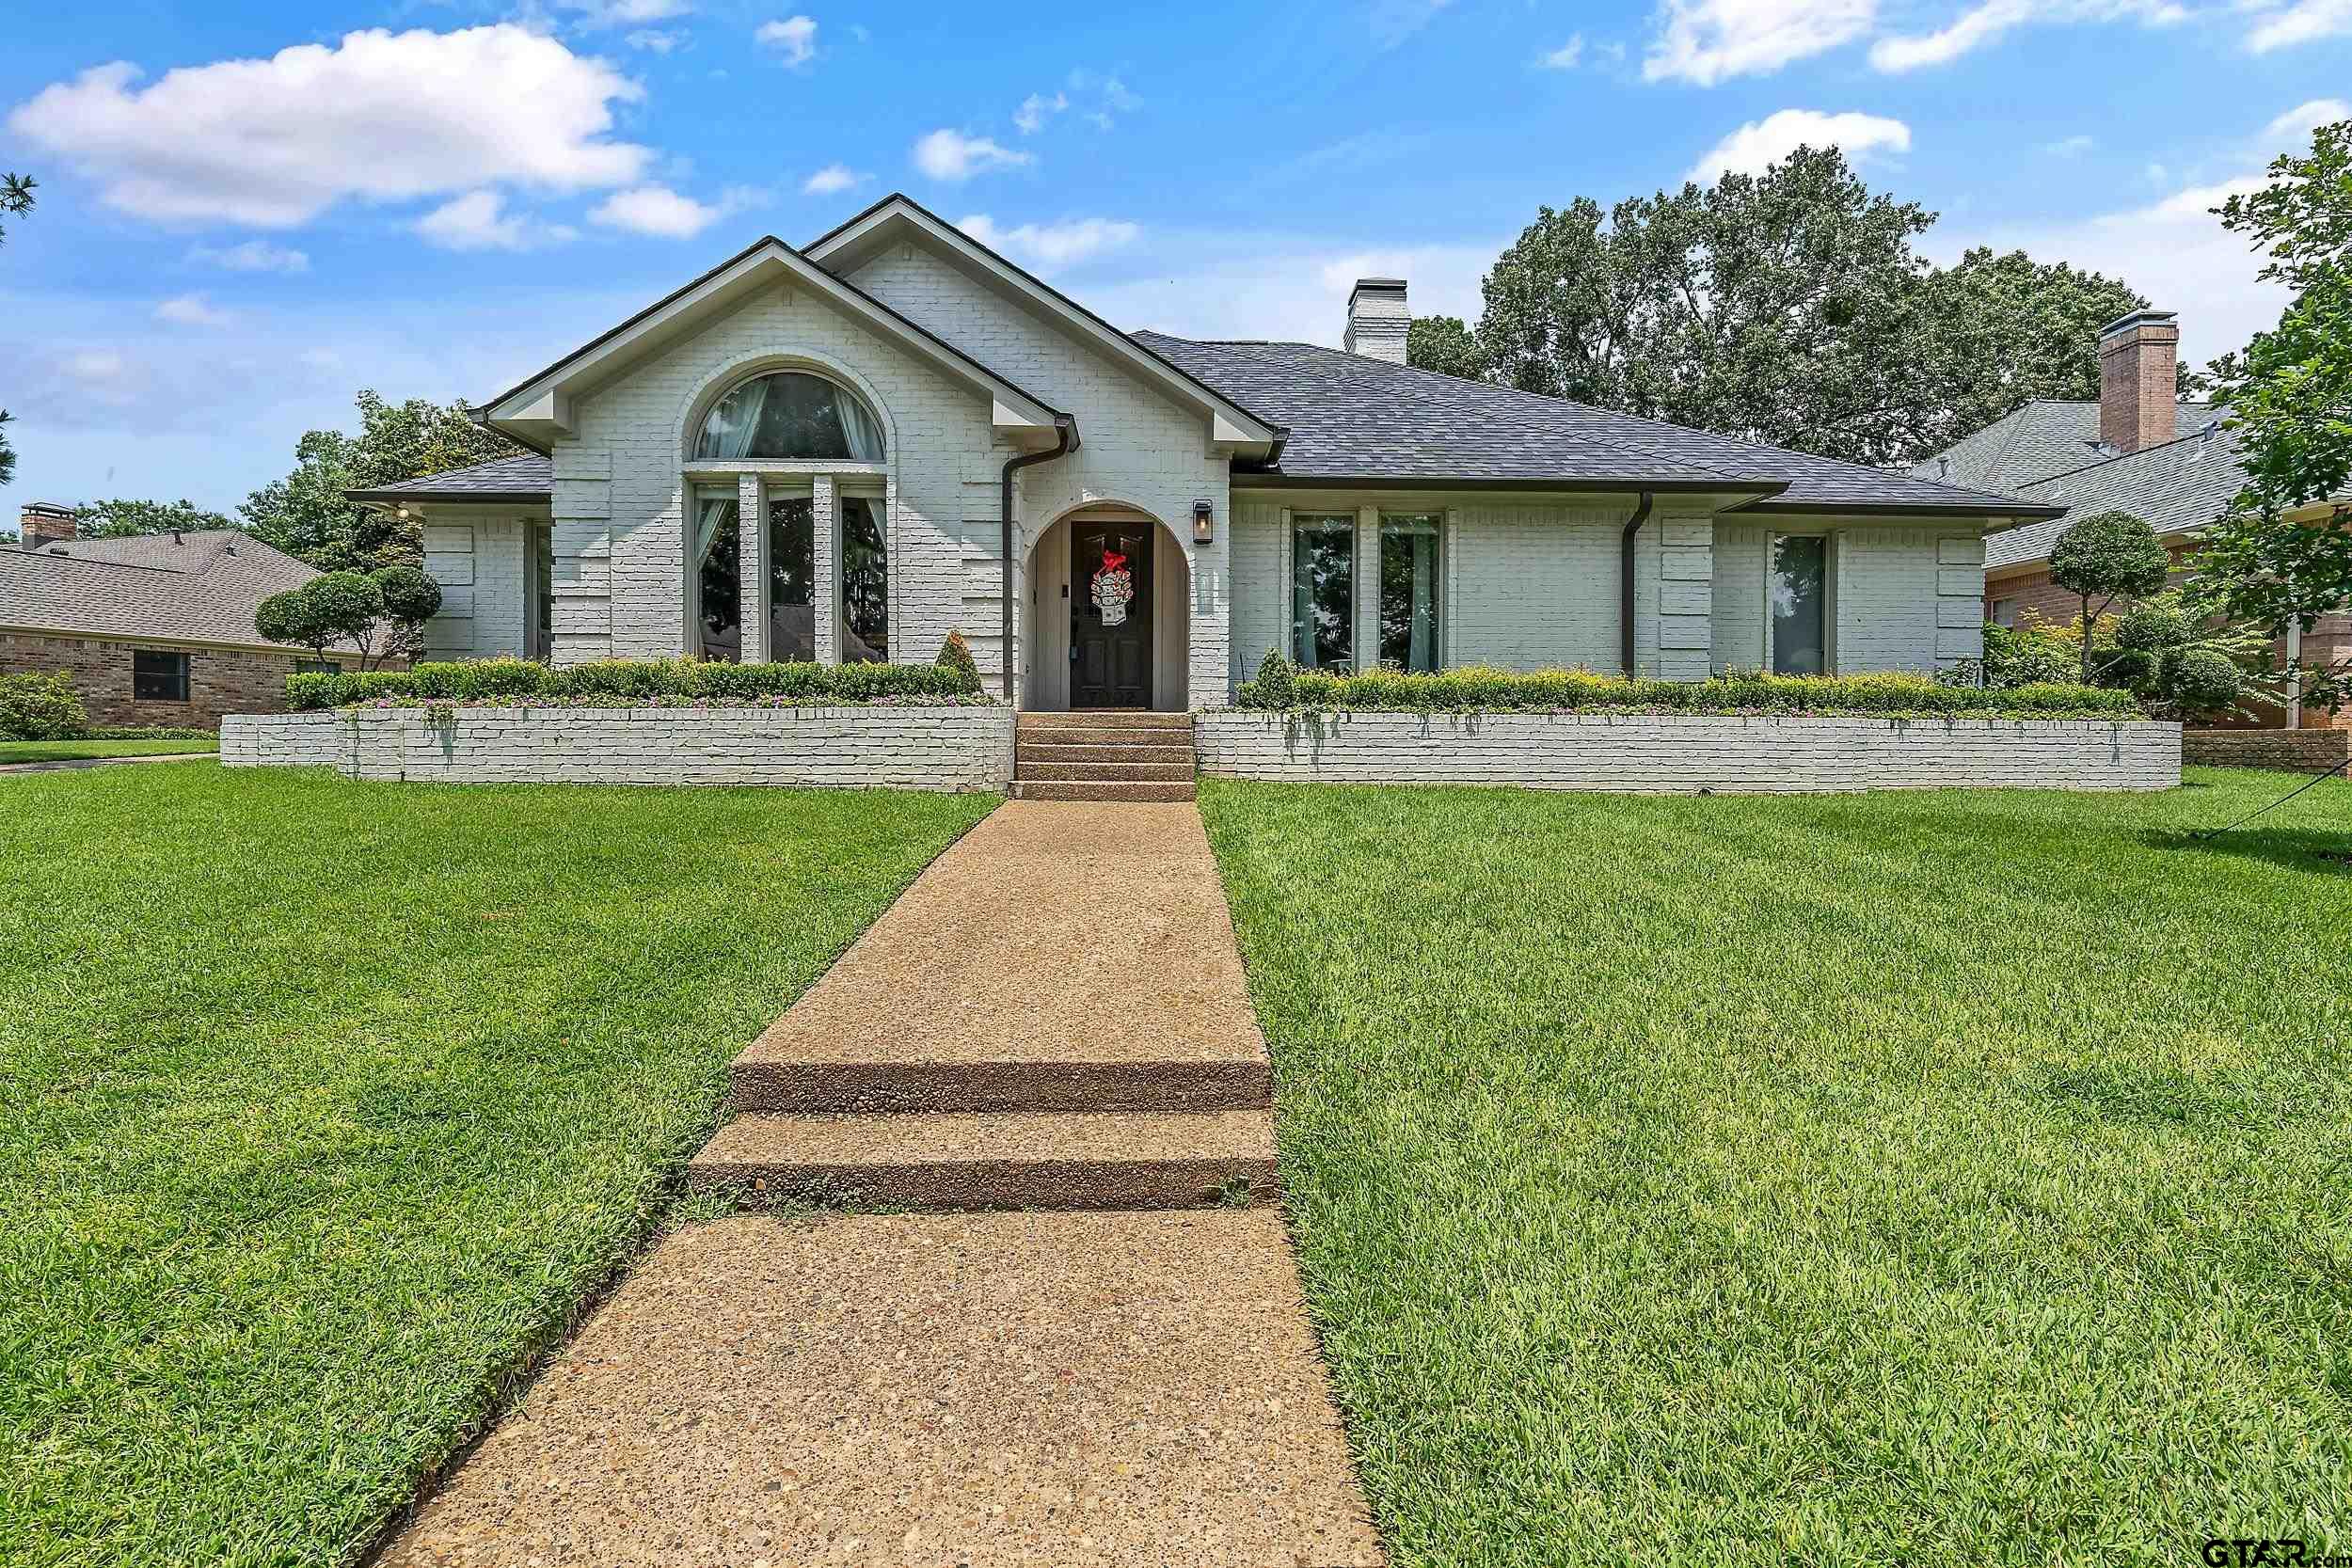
(1829, 538)
(1370, 595)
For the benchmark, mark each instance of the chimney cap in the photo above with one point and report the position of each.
(2138, 318)
(1377, 285)
(50, 509)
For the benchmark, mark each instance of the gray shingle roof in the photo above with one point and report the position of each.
(1351, 418)
(527, 477)
(2177, 486)
(2041, 438)
(203, 588)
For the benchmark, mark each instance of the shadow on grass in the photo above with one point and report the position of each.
(2296, 848)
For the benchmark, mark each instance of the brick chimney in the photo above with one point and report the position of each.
(1377, 319)
(2139, 357)
(44, 523)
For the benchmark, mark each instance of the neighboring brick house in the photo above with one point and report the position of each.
(849, 450)
(154, 628)
(2138, 450)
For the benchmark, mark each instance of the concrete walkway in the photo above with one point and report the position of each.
(1051, 1018)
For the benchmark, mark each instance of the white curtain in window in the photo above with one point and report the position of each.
(1424, 601)
(860, 429)
(712, 515)
(728, 428)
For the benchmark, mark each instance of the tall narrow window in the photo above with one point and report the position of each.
(718, 576)
(865, 584)
(792, 580)
(1409, 592)
(1800, 605)
(1323, 592)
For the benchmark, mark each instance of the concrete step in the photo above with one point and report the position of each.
(1103, 772)
(1104, 719)
(1050, 789)
(1047, 751)
(1092, 735)
(1062, 1161)
(772, 1077)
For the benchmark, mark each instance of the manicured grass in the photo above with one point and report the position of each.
(73, 751)
(1957, 1178)
(323, 1104)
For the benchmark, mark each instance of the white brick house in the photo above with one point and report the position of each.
(807, 454)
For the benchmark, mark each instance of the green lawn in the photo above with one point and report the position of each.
(75, 751)
(1953, 1179)
(322, 1104)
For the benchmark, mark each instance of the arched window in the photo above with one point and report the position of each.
(790, 414)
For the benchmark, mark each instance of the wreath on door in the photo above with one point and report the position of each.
(1113, 588)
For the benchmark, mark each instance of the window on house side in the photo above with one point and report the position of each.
(318, 667)
(1800, 605)
(159, 678)
(2005, 612)
(1409, 592)
(1323, 592)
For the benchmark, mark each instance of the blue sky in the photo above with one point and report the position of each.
(247, 212)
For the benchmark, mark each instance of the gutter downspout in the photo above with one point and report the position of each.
(1065, 442)
(1625, 592)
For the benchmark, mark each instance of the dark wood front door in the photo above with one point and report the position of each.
(1110, 616)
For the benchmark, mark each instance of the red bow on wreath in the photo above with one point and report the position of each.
(1112, 560)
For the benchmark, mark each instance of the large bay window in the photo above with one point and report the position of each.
(809, 454)
(1322, 592)
(1408, 591)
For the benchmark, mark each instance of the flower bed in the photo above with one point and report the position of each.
(510, 683)
(1281, 689)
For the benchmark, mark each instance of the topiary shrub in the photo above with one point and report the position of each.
(41, 707)
(1277, 686)
(956, 654)
(2199, 680)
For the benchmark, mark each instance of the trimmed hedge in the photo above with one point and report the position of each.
(628, 682)
(1477, 689)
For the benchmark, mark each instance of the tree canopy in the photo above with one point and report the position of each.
(2276, 559)
(122, 518)
(305, 513)
(2107, 557)
(1789, 307)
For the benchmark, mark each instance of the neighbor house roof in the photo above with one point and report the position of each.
(525, 478)
(2177, 486)
(200, 587)
(2036, 440)
(1353, 418)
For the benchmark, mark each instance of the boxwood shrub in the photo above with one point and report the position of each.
(1477, 689)
(628, 682)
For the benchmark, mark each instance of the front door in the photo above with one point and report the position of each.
(1110, 616)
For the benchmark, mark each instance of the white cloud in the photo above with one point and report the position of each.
(1281, 286)
(380, 116)
(251, 256)
(1037, 109)
(475, 221)
(2300, 24)
(1994, 18)
(794, 37)
(2290, 130)
(662, 213)
(1566, 56)
(946, 154)
(1396, 21)
(1760, 143)
(2069, 147)
(831, 180)
(191, 310)
(1051, 246)
(657, 41)
(620, 13)
(1705, 41)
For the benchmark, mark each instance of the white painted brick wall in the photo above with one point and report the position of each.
(850, 748)
(1681, 754)
(1136, 446)
(482, 566)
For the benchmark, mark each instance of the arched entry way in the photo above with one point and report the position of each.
(1108, 615)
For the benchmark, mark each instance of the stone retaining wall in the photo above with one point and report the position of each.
(1684, 754)
(850, 748)
(2290, 750)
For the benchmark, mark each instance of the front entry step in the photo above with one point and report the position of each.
(1028, 770)
(1047, 790)
(1004, 1161)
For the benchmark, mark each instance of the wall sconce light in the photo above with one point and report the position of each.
(1203, 522)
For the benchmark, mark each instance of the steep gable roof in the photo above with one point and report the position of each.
(1353, 418)
(538, 409)
(525, 478)
(899, 218)
(200, 587)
